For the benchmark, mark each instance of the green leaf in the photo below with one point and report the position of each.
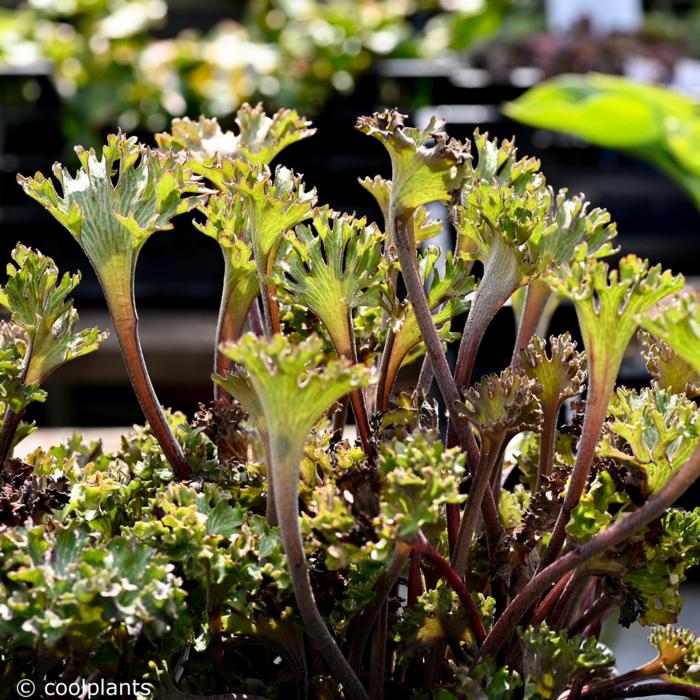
(419, 476)
(654, 123)
(275, 375)
(427, 166)
(594, 512)
(505, 229)
(501, 406)
(653, 429)
(274, 204)
(333, 268)
(667, 368)
(551, 660)
(424, 227)
(15, 392)
(37, 299)
(115, 202)
(609, 305)
(561, 374)
(655, 564)
(577, 228)
(678, 325)
(227, 223)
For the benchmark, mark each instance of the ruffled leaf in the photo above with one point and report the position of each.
(280, 375)
(561, 374)
(333, 268)
(678, 325)
(419, 476)
(259, 139)
(427, 166)
(609, 304)
(38, 300)
(668, 369)
(551, 660)
(501, 406)
(653, 429)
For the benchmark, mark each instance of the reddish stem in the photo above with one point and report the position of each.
(596, 409)
(455, 582)
(622, 530)
(415, 580)
(544, 608)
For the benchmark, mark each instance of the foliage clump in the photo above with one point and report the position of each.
(467, 553)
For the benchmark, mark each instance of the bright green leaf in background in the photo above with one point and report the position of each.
(647, 121)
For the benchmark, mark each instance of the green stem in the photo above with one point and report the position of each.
(286, 458)
(122, 308)
(228, 328)
(622, 530)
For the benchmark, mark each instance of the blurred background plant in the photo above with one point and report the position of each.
(115, 62)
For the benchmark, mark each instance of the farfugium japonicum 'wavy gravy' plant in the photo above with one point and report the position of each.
(258, 549)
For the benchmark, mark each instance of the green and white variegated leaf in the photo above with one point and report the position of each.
(116, 201)
(259, 139)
